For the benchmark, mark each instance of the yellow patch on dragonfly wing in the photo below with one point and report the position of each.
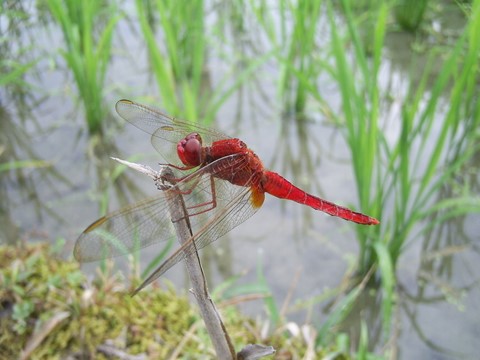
(96, 224)
(257, 197)
(167, 128)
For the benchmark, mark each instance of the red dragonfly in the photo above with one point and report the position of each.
(221, 178)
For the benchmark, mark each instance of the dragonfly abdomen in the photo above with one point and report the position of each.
(280, 187)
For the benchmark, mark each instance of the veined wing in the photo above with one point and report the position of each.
(230, 215)
(126, 230)
(163, 127)
(149, 221)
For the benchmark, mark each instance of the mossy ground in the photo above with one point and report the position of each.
(49, 311)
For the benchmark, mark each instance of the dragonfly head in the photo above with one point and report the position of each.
(189, 150)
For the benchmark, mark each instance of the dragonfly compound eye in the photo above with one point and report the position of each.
(190, 149)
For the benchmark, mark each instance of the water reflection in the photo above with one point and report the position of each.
(20, 176)
(445, 278)
(297, 157)
(113, 185)
(366, 310)
(433, 289)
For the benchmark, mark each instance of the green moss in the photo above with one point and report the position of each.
(47, 299)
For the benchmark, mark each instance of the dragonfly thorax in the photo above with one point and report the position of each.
(189, 150)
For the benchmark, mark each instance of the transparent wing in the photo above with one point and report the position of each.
(126, 230)
(229, 216)
(163, 127)
(149, 221)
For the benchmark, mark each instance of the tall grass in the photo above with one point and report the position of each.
(361, 106)
(87, 30)
(436, 137)
(397, 179)
(292, 29)
(301, 45)
(409, 13)
(179, 60)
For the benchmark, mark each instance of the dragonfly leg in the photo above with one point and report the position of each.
(188, 167)
(206, 206)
